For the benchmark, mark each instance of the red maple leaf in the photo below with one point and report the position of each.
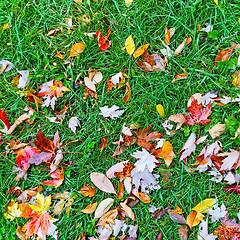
(4, 119)
(58, 177)
(198, 113)
(102, 41)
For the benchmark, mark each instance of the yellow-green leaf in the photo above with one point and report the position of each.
(130, 45)
(140, 50)
(216, 1)
(205, 205)
(160, 109)
(128, 2)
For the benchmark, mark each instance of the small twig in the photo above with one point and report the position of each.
(8, 159)
(105, 57)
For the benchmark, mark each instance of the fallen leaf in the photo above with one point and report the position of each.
(160, 110)
(167, 36)
(76, 49)
(103, 143)
(59, 55)
(128, 210)
(87, 191)
(6, 66)
(102, 41)
(183, 232)
(216, 1)
(189, 147)
(4, 119)
(22, 118)
(128, 2)
(127, 93)
(58, 177)
(159, 236)
(111, 112)
(216, 130)
(73, 123)
(90, 208)
(236, 79)
(130, 45)
(204, 205)
(194, 219)
(232, 188)
(118, 167)
(102, 182)
(120, 190)
(182, 45)
(203, 232)
(177, 218)
(12, 211)
(167, 153)
(141, 196)
(23, 80)
(224, 55)
(140, 50)
(103, 207)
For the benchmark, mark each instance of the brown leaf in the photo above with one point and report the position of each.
(177, 218)
(183, 232)
(120, 190)
(44, 144)
(224, 55)
(128, 210)
(87, 191)
(159, 212)
(127, 93)
(22, 118)
(143, 138)
(76, 49)
(166, 175)
(159, 236)
(142, 196)
(102, 182)
(20, 233)
(103, 143)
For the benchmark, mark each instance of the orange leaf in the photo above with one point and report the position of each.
(127, 93)
(194, 218)
(128, 210)
(224, 55)
(87, 191)
(120, 190)
(167, 36)
(76, 49)
(140, 50)
(236, 79)
(167, 153)
(58, 177)
(59, 55)
(141, 196)
(90, 208)
(103, 143)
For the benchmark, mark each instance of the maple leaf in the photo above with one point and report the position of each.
(111, 112)
(44, 143)
(217, 212)
(188, 148)
(145, 160)
(198, 114)
(4, 119)
(232, 160)
(144, 138)
(228, 230)
(12, 211)
(87, 191)
(203, 232)
(102, 41)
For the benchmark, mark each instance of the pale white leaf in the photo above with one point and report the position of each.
(103, 207)
(133, 231)
(102, 182)
(201, 139)
(97, 77)
(126, 130)
(230, 178)
(7, 65)
(203, 232)
(230, 160)
(115, 79)
(216, 130)
(88, 82)
(128, 184)
(217, 212)
(23, 80)
(111, 112)
(145, 160)
(118, 167)
(73, 123)
(217, 176)
(189, 147)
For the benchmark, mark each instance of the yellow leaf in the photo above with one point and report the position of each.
(43, 203)
(90, 208)
(204, 205)
(130, 45)
(5, 26)
(128, 2)
(13, 210)
(216, 1)
(140, 50)
(76, 49)
(160, 109)
(167, 153)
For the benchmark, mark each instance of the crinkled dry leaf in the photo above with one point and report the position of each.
(87, 191)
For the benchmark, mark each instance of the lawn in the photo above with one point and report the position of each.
(26, 43)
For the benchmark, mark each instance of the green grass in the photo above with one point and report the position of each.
(26, 45)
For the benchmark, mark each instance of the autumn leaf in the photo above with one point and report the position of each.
(140, 50)
(182, 45)
(167, 153)
(116, 168)
(236, 79)
(4, 119)
(127, 93)
(103, 207)
(130, 45)
(144, 138)
(103, 143)
(128, 210)
(76, 49)
(59, 55)
(183, 232)
(112, 112)
(197, 113)
(128, 2)
(87, 191)
(160, 110)
(167, 36)
(204, 205)
(102, 41)
(12, 211)
(90, 208)
(194, 218)
(120, 192)
(224, 55)
(141, 196)
(58, 177)
(102, 182)
(216, 130)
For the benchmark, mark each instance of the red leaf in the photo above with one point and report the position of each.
(232, 188)
(4, 119)
(58, 177)
(198, 114)
(102, 41)
(103, 143)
